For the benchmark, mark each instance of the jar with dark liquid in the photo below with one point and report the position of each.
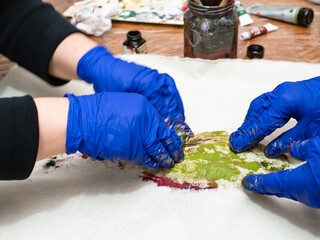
(211, 32)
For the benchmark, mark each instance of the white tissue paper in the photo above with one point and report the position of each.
(94, 18)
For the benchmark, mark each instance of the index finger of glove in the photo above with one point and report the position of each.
(183, 131)
(266, 113)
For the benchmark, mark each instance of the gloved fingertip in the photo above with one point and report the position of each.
(238, 142)
(181, 128)
(274, 149)
(284, 142)
(238, 146)
(185, 131)
(244, 183)
(251, 183)
(188, 130)
(232, 148)
(168, 163)
(233, 136)
(180, 157)
(231, 142)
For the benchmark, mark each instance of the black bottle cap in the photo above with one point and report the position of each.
(255, 51)
(305, 16)
(134, 35)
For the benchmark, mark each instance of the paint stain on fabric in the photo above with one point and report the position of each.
(167, 182)
(208, 160)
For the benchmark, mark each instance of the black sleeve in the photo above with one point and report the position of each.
(19, 137)
(30, 31)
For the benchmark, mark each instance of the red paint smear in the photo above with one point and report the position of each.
(166, 182)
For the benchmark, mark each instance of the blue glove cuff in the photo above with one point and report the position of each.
(74, 136)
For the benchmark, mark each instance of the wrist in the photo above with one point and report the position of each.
(52, 117)
(63, 63)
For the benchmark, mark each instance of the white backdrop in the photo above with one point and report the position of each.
(92, 200)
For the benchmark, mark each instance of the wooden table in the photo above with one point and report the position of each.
(290, 42)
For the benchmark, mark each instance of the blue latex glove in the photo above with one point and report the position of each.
(298, 100)
(111, 74)
(301, 101)
(121, 126)
(301, 184)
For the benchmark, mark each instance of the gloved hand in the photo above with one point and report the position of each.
(301, 101)
(301, 184)
(111, 74)
(298, 100)
(121, 126)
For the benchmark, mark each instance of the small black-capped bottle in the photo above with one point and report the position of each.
(134, 44)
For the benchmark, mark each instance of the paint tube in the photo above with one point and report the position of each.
(314, 1)
(244, 17)
(257, 31)
(295, 15)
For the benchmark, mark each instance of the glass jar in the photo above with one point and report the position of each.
(211, 32)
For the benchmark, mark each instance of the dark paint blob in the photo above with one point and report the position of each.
(50, 163)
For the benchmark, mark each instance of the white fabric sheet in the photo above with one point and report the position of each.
(91, 200)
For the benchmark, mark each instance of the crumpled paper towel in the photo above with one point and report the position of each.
(95, 17)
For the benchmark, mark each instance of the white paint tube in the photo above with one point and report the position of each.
(296, 15)
(257, 31)
(244, 17)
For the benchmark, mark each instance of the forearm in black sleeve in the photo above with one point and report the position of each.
(19, 137)
(30, 31)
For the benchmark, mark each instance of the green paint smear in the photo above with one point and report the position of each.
(208, 158)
